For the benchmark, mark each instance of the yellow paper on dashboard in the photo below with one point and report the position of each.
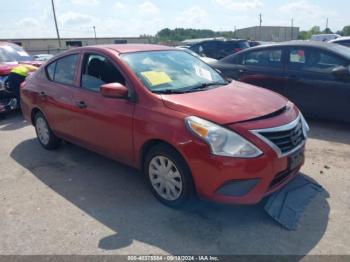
(156, 78)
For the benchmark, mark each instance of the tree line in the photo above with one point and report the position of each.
(317, 30)
(180, 34)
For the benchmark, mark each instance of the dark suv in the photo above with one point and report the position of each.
(218, 48)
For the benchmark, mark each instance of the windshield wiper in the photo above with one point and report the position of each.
(204, 86)
(168, 91)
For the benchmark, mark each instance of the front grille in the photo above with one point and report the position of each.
(284, 139)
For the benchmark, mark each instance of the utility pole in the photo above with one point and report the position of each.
(327, 24)
(292, 29)
(94, 27)
(234, 33)
(260, 21)
(54, 17)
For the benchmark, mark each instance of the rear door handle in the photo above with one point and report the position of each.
(81, 104)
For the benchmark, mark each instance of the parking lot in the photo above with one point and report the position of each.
(73, 201)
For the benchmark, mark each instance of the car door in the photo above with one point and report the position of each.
(103, 124)
(55, 94)
(313, 87)
(264, 68)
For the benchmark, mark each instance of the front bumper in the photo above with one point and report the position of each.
(241, 181)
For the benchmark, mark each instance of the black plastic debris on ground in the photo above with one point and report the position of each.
(287, 205)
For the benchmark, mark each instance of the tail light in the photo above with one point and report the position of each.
(237, 50)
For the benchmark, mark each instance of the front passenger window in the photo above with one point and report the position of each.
(271, 58)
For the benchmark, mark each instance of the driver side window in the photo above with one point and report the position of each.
(98, 70)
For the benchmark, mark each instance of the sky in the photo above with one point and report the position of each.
(118, 18)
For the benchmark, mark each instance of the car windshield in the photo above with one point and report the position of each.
(243, 44)
(172, 71)
(13, 53)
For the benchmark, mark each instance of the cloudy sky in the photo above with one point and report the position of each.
(33, 18)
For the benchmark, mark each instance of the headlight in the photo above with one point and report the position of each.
(305, 125)
(222, 142)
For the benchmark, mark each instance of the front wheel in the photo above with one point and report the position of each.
(168, 176)
(44, 134)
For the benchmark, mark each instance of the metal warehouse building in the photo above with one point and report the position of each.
(268, 33)
(51, 46)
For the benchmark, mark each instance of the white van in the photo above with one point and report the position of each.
(324, 37)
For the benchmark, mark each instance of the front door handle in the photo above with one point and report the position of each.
(81, 104)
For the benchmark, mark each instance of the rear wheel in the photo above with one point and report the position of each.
(44, 134)
(168, 176)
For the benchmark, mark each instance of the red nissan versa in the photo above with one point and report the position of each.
(166, 112)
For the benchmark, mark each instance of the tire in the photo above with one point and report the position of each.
(44, 133)
(174, 186)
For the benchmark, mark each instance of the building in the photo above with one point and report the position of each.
(51, 46)
(268, 33)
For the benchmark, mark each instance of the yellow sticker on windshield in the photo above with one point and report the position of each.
(156, 78)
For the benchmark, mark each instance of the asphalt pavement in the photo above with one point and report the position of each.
(73, 201)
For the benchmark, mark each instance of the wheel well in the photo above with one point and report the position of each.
(34, 112)
(150, 144)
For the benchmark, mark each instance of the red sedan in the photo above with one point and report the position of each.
(166, 112)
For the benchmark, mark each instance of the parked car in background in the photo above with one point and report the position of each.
(217, 48)
(203, 58)
(257, 43)
(345, 41)
(166, 112)
(324, 37)
(11, 55)
(313, 75)
(42, 57)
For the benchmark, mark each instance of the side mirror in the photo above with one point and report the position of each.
(114, 90)
(341, 72)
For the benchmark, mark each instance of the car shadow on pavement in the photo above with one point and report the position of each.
(12, 121)
(328, 131)
(117, 196)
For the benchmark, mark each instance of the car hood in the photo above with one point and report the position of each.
(235, 102)
(5, 68)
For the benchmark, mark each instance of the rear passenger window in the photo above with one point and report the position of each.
(313, 60)
(272, 58)
(63, 70)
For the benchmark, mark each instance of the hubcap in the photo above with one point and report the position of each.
(165, 178)
(42, 131)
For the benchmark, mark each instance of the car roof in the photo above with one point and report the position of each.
(296, 43)
(333, 47)
(131, 48)
(192, 42)
(339, 39)
(2, 43)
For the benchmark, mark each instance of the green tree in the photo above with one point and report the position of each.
(327, 31)
(180, 34)
(346, 30)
